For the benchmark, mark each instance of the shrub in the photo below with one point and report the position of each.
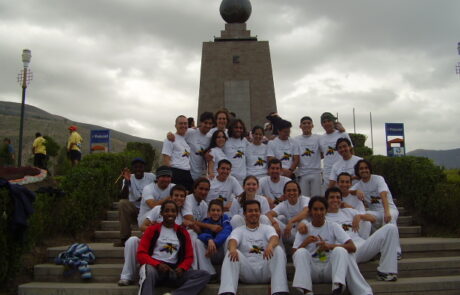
(357, 139)
(52, 148)
(148, 153)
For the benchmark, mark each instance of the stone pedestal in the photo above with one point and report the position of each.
(236, 73)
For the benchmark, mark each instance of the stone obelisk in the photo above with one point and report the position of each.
(236, 70)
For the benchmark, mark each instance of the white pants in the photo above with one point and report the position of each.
(205, 263)
(384, 241)
(340, 268)
(193, 238)
(379, 215)
(365, 228)
(130, 266)
(282, 227)
(238, 220)
(310, 184)
(255, 273)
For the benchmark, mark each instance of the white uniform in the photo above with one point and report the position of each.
(309, 169)
(344, 166)
(327, 144)
(217, 155)
(256, 160)
(271, 189)
(198, 143)
(224, 190)
(286, 211)
(236, 212)
(336, 266)
(137, 187)
(179, 151)
(251, 267)
(152, 192)
(384, 241)
(365, 227)
(283, 150)
(235, 150)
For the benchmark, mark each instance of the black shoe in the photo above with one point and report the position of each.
(227, 293)
(281, 293)
(338, 291)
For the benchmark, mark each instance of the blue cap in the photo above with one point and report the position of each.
(137, 160)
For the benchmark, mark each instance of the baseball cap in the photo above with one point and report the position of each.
(137, 160)
(328, 116)
(163, 171)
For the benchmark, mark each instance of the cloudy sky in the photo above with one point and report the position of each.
(133, 65)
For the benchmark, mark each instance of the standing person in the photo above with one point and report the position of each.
(256, 154)
(346, 163)
(74, 145)
(191, 122)
(254, 255)
(235, 149)
(216, 151)
(9, 161)
(224, 186)
(131, 194)
(284, 149)
(272, 186)
(384, 241)
(155, 193)
(165, 254)
(39, 151)
(222, 119)
(309, 169)
(333, 131)
(322, 255)
(177, 155)
(250, 187)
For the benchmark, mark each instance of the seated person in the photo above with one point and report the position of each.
(272, 186)
(253, 255)
(224, 186)
(165, 254)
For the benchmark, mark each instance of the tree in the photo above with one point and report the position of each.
(147, 151)
(359, 148)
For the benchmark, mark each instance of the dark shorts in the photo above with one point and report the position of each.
(40, 161)
(182, 177)
(75, 155)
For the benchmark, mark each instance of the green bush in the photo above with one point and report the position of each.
(357, 139)
(148, 153)
(363, 151)
(52, 148)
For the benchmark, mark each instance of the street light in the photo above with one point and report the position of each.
(24, 78)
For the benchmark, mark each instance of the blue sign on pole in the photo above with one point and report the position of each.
(396, 147)
(394, 129)
(100, 136)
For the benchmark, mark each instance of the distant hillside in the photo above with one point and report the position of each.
(450, 159)
(37, 120)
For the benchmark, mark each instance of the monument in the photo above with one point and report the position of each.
(236, 70)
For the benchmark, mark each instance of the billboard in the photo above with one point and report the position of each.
(395, 139)
(100, 140)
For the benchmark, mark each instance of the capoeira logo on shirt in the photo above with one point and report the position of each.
(239, 154)
(330, 150)
(375, 200)
(286, 157)
(200, 152)
(222, 198)
(169, 248)
(346, 227)
(308, 152)
(186, 154)
(256, 249)
(277, 200)
(260, 162)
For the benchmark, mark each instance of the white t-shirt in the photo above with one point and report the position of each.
(198, 143)
(217, 154)
(327, 145)
(199, 210)
(225, 190)
(270, 189)
(179, 151)
(167, 246)
(310, 154)
(154, 215)
(152, 192)
(252, 243)
(344, 218)
(235, 150)
(290, 211)
(237, 209)
(344, 166)
(256, 159)
(372, 190)
(330, 232)
(283, 150)
(137, 187)
(354, 202)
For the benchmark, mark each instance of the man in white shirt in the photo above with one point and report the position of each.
(327, 144)
(155, 193)
(309, 168)
(131, 196)
(284, 149)
(254, 255)
(346, 163)
(224, 186)
(177, 155)
(272, 186)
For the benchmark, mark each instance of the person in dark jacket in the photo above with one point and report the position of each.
(210, 245)
(165, 254)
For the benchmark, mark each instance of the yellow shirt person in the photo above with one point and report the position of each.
(74, 141)
(39, 145)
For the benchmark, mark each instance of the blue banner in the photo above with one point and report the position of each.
(394, 129)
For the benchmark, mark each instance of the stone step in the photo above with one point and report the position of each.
(411, 231)
(114, 225)
(411, 247)
(446, 285)
(411, 267)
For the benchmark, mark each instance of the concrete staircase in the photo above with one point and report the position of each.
(429, 266)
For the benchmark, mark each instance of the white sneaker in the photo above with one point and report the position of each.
(124, 283)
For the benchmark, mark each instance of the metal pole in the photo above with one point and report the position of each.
(372, 133)
(21, 124)
(354, 121)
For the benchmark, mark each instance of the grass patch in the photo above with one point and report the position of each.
(453, 175)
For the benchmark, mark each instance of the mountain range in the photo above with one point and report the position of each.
(450, 159)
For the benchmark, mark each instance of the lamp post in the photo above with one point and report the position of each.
(24, 78)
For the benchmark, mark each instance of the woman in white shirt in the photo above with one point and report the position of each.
(218, 140)
(256, 154)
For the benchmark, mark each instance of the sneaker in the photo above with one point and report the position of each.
(227, 293)
(167, 293)
(281, 293)
(387, 277)
(123, 283)
(399, 256)
(338, 290)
